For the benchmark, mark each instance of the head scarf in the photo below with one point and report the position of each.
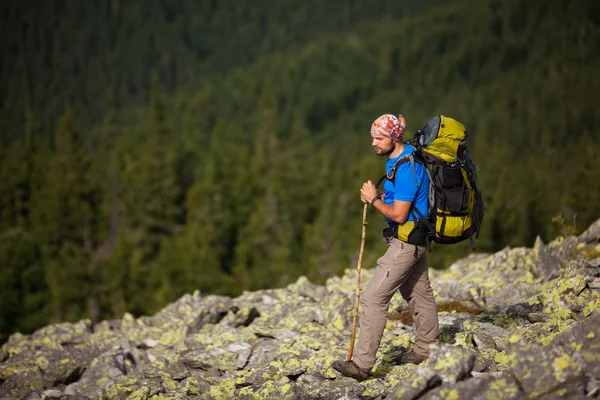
(390, 126)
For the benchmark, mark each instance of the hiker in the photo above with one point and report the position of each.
(404, 265)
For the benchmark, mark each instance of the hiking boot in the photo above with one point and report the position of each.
(410, 358)
(350, 369)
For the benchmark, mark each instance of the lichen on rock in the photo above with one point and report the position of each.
(520, 323)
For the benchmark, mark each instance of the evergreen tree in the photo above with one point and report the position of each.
(24, 298)
(65, 209)
(108, 257)
(263, 250)
(150, 191)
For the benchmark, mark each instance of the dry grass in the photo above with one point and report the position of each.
(406, 317)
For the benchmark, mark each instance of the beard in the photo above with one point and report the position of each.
(385, 151)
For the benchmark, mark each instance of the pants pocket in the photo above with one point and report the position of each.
(383, 278)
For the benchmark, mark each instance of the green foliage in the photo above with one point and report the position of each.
(222, 147)
(565, 228)
(24, 297)
(55, 53)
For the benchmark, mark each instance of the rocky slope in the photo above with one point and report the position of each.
(521, 323)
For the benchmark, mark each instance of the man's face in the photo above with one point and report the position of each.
(382, 144)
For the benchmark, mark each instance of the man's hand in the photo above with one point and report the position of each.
(368, 192)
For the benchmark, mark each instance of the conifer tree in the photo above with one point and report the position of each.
(24, 298)
(581, 183)
(107, 257)
(17, 175)
(196, 257)
(150, 193)
(64, 209)
(262, 253)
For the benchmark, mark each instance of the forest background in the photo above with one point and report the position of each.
(153, 148)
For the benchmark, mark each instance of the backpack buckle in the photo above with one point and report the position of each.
(390, 232)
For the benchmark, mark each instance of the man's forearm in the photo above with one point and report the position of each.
(389, 211)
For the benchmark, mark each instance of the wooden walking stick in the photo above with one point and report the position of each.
(360, 256)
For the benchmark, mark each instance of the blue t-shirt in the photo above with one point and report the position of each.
(406, 188)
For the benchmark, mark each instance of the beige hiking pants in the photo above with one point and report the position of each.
(397, 269)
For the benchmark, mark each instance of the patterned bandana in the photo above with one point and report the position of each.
(390, 126)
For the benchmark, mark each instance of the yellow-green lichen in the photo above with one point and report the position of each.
(504, 321)
(171, 336)
(546, 340)
(102, 381)
(591, 253)
(42, 362)
(464, 339)
(286, 388)
(139, 394)
(192, 386)
(338, 323)
(591, 307)
(399, 373)
(117, 391)
(269, 387)
(223, 390)
(502, 387)
(452, 395)
(445, 363)
(506, 359)
(560, 364)
(169, 384)
(515, 338)
(561, 392)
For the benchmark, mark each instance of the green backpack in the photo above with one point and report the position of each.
(455, 202)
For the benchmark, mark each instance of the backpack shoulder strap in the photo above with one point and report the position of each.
(412, 165)
(392, 174)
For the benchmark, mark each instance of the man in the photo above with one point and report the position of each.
(403, 266)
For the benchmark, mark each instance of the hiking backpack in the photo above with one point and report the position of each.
(455, 202)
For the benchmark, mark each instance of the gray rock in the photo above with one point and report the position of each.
(592, 387)
(176, 369)
(307, 289)
(484, 341)
(51, 394)
(21, 384)
(547, 264)
(545, 371)
(483, 387)
(289, 391)
(482, 365)
(592, 233)
(71, 390)
(243, 357)
(490, 336)
(585, 338)
(241, 316)
(451, 363)
(340, 388)
(419, 383)
(211, 315)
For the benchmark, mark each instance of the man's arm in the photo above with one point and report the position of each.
(397, 212)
